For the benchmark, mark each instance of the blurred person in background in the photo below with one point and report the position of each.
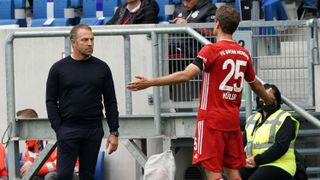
(136, 12)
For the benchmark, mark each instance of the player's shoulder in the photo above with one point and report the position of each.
(210, 47)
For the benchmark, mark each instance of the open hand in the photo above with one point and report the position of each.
(139, 84)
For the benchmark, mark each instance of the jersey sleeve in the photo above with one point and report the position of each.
(249, 75)
(206, 54)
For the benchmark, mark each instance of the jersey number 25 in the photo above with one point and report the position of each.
(234, 73)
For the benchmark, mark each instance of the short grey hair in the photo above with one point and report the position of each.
(75, 29)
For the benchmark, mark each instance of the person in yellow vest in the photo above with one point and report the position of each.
(269, 138)
(3, 169)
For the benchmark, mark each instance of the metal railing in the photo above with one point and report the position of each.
(284, 53)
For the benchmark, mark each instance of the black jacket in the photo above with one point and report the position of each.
(147, 14)
(204, 11)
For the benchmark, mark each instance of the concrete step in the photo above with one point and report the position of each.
(313, 170)
(309, 132)
(309, 151)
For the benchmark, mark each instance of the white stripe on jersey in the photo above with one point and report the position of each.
(200, 136)
(205, 90)
(50, 166)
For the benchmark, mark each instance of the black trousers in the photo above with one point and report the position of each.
(265, 173)
(78, 142)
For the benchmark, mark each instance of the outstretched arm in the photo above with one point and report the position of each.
(178, 77)
(260, 91)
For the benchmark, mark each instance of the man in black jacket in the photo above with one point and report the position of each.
(191, 11)
(136, 12)
(194, 11)
(182, 46)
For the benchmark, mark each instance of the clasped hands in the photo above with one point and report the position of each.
(250, 163)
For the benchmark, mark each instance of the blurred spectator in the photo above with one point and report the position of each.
(136, 12)
(33, 149)
(183, 48)
(3, 169)
(309, 9)
(191, 11)
(194, 11)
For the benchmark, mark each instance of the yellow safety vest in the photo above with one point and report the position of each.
(264, 137)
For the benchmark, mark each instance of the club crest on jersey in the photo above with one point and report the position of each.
(195, 14)
(180, 15)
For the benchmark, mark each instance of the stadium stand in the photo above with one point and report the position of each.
(19, 12)
(61, 9)
(92, 12)
(39, 13)
(98, 12)
(53, 13)
(274, 10)
(12, 12)
(162, 12)
(108, 8)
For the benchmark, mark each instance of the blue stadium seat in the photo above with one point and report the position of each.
(20, 14)
(89, 15)
(59, 17)
(39, 13)
(76, 3)
(176, 2)
(122, 2)
(99, 166)
(108, 9)
(7, 12)
(162, 15)
(273, 10)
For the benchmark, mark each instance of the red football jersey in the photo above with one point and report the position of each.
(226, 65)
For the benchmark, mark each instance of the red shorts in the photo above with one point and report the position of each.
(215, 149)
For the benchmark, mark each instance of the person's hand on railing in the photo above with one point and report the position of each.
(179, 21)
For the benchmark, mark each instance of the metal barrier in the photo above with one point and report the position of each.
(284, 53)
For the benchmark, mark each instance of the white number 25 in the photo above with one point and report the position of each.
(235, 73)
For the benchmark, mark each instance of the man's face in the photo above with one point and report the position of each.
(189, 4)
(83, 42)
